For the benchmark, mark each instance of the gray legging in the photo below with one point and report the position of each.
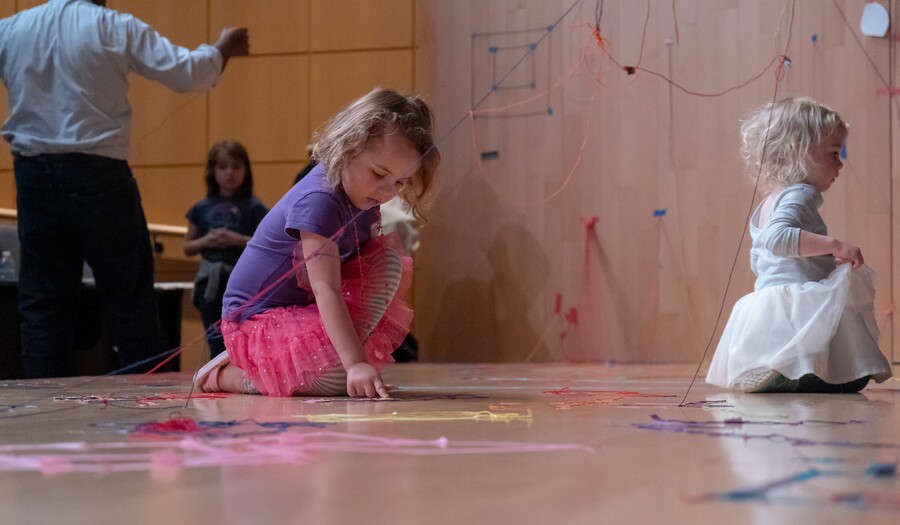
(382, 278)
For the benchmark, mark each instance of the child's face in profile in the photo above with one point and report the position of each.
(378, 174)
(230, 173)
(826, 163)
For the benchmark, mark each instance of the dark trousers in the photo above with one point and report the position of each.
(210, 313)
(75, 207)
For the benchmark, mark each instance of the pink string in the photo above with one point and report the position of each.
(166, 458)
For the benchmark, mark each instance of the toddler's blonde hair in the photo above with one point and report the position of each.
(797, 126)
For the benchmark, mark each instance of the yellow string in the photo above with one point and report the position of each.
(451, 415)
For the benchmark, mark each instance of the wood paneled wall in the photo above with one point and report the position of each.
(507, 254)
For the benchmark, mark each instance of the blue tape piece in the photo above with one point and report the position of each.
(488, 155)
(659, 213)
(843, 153)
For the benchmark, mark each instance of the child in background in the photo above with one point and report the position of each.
(219, 227)
(809, 324)
(330, 329)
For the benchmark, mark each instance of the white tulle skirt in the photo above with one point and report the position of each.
(826, 328)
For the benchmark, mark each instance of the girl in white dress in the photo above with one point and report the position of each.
(809, 324)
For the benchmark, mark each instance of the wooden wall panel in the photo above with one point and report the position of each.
(272, 180)
(262, 102)
(5, 155)
(276, 26)
(183, 22)
(28, 4)
(7, 188)
(338, 79)
(648, 145)
(361, 24)
(167, 128)
(162, 205)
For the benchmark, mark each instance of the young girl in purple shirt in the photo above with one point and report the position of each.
(314, 305)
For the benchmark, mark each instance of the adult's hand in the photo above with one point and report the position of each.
(233, 42)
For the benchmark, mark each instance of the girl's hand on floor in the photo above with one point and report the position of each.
(364, 381)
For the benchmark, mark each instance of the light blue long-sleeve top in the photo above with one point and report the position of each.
(65, 65)
(774, 255)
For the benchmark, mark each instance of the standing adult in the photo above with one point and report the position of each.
(65, 65)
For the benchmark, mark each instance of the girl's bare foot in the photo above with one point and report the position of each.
(231, 379)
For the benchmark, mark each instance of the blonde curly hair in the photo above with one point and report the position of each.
(780, 138)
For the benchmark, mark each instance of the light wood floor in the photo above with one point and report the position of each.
(466, 444)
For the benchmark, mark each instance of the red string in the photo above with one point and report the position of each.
(572, 315)
(643, 37)
(176, 425)
(778, 74)
(177, 352)
(601, 43)
(783, 60)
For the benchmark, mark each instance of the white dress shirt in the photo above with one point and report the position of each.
(65, 65)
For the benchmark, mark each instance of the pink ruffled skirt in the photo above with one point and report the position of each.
(285, 350)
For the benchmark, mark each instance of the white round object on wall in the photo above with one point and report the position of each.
(875, 20)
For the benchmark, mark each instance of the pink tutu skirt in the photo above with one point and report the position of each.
(284, 350)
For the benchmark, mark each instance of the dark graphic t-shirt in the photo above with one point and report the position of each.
(241, 215)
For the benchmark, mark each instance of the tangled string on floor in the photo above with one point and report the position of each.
(186, 446)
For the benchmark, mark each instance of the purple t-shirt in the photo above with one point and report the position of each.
(309, 206)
